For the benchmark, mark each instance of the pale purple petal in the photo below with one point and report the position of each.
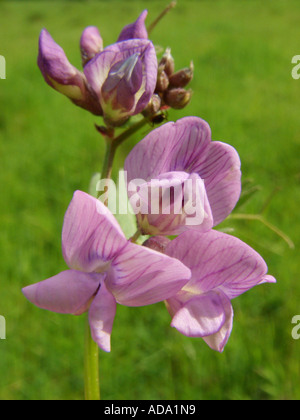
(218, 340)
(136, 29)
(222, 175)
(171, 147)
(91, 44)
(101, 317)
(201, 315)
(69, 292)
(218, 260)
(91, 235)
(140, 276)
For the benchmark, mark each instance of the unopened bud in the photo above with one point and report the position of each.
(153, 106)
(167, 62)
(177, 98)
(162, 81)
(182, 77)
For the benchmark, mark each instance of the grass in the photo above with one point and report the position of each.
(242, 53)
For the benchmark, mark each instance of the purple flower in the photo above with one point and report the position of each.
(117, 81)
(123, 76)
(105, 269)
(223, 267)
(201, 178)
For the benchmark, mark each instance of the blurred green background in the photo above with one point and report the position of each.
(242, 53)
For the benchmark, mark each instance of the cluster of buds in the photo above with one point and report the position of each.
(170, 86)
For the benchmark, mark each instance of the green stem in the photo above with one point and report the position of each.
(131, 130)
(160, 16)
(136, 236)
(91, 366)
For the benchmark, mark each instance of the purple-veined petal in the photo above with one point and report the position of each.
(222, 175)
(139, 276)
(136, 29)
(69, 292)
(199, 315)
(218, 260)
(171, 147)
(101, 317)
(91, 235)
(91, 44)
(218, 340)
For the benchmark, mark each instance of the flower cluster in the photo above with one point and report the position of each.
(185, 261)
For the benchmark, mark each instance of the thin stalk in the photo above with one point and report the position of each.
(91, 366)
(160, 16)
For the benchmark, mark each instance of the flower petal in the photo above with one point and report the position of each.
(91, 44)
(140, 276)
(200, 316)
(218, 340)
(91, 235)
(218, 260)
(69, 292)
(222, 175)
(101, 317)
(136, 29)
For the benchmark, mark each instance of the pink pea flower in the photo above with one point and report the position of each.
(223, 267)
(185, 180)
(116, 82)
(105, 269)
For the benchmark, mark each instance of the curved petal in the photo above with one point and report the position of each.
(101, 317)
(218, 340)
(91, 44)
(201, 315)
(69, 292)
(139, 276)
(222, 175)
(136, 29)
(218, 260)
(91, 236)
(171, 147)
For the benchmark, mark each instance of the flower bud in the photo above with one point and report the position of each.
(162, 82)
(167, 62)
(63, 77)
(153, 106)
(91, 44)
(177, 98)
(182, 77)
